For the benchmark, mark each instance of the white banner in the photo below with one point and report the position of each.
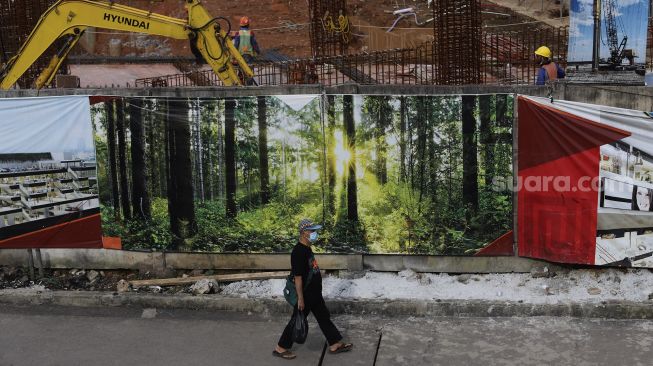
(49, 124)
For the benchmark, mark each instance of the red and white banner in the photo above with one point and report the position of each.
(585, 183)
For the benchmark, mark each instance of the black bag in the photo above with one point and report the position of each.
(299, 327)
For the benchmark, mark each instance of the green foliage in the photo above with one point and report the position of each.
(418, 212)
(136, 234)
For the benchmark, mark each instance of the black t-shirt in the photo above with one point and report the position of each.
(302, 261)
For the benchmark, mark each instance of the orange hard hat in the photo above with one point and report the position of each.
(244, 21)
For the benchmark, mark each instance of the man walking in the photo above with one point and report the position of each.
(304, 268)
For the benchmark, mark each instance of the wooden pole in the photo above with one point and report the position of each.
(39, 263)
(30, 264)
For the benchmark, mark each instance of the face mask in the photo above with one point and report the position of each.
(313, 237)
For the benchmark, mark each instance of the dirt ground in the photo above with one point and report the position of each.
(547, 11)
(283, 24)
(278, 24)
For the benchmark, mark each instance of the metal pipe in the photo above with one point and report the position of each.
(596, 49)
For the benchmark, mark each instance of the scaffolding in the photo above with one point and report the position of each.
(457, 40)
(505, 58)
(329, 28)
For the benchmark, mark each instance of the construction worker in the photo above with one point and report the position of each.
(549, 70)
(245, 41)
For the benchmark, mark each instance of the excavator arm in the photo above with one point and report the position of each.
(68, 19)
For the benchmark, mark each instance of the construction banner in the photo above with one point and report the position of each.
(48, 184)
(585, 183)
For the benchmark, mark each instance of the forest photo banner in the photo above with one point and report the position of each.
(383, 174)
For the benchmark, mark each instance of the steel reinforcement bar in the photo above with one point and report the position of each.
(506, 58)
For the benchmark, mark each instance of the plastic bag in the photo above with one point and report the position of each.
(300, 327)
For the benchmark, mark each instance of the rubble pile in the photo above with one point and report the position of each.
(96, 280)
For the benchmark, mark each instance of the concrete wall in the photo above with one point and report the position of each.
(633, 97)
(158, 261)
(622, 96)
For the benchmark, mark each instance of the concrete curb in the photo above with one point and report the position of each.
(159, 262)
(448, 308)
(611, 95)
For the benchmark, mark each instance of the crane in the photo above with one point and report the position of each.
(618, 49)
(66, 20)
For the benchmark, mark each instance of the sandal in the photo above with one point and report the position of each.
(286, 355)
(344, 347)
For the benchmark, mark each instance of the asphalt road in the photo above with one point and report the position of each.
(44, 335)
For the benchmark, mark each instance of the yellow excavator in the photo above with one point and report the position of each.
(68, 19)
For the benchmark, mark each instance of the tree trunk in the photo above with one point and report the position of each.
(432, 163)
(501, 107)
(384, 119)
(410, 126)
(331, 155)
(350, 129)
(199, 152)
(167, 136)
(230, 157)
(433, 184)
(486, 138)
(220, 153)
(470, 163)
(422, 121)
(402, 139)
(122, 159)
(209, 147)
(152, 128)
(140, 196)
(182, 217)
(113, 165)
(164, 160)
(263, 150)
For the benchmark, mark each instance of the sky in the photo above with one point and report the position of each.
(632, 14)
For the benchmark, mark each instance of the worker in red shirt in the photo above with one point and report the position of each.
(549, 70)
(245, 41)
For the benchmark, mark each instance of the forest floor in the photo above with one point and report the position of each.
(543, 286)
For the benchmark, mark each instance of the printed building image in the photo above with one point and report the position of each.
(37, 192)
(48, 175)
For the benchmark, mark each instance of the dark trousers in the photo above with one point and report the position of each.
(313, 304)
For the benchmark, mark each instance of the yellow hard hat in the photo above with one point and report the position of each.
(543, 51)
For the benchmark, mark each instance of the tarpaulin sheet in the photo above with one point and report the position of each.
(45, 124)
(556, 147)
